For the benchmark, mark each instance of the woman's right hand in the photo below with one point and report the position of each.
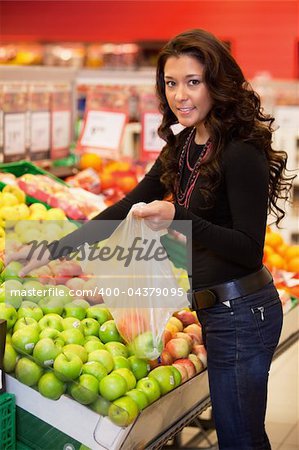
(33, 258)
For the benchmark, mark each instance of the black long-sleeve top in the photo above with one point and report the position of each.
(227, 238)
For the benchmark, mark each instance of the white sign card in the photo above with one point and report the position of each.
(151, 140)
(14, 133)
(61, 129)
(40, 131)
(103, 131)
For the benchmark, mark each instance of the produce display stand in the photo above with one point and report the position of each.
(79, 425)
(65, 424)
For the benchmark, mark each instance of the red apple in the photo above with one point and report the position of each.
(185, 336)
(173, 329)
(43, 275)
(196, 362)
(65, 271)
(131, 324)
(176, 322)
(166, 358)
(90, 286)
(201, 353)
(186, 317)
(194, 330)
(166, 337)
(75, 284)
(189, 366)
(183, 371)
(178, 348)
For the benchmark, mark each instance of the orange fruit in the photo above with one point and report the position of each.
(107, 181)
(275, 260)
(90, 160)
(267, 252)
(293, 264)
(292, 252)
(273, 239)
(281, 249)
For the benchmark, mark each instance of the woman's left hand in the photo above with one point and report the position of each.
(158, 214)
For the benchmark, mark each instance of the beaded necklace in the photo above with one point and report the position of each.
(183, 195)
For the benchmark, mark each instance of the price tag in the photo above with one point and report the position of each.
(40, 131)
(61, 129)
(14, 134)
(152, 144)
(103, 132)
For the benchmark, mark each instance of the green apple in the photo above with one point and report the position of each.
(86, 390)
(139, 398)
(11, 271)
(164, 376)
(113, 386)
(13, 292)
(51, 333)
(176, 375)
(96, 369)
(27, 371)
(150, 387)
(145, 346)
(128, 376)
(100, 406)
(79, 350)
(90, 327)
(93, 345)
(26, 322)
(51, 305)
(73, 310)
(123, 411)
(10, 358)
(103, 357)
(139, 367)
(120, 361)
(117, 349)
(34, 291)
(51, 321)
(2, 291)
(72, 336)
(72, 322)
(108, 332)
(46, 350)
(50, 386)
(8, 338)
(25, 339)
(67, 366)
(81, 302)
(63, 291)
(30, 309)
(9, 314)
(98, 313)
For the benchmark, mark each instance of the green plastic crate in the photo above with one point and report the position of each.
(7, 422)
(20, 168)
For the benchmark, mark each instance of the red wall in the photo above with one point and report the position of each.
(264, 34)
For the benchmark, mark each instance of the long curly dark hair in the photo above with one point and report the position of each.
(236, 114)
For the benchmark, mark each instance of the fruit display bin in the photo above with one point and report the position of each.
(7, 422)
(20, 168)
(80, 425)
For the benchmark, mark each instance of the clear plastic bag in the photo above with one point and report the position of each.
(137, 284)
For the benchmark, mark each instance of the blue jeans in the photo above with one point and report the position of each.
(240, 342)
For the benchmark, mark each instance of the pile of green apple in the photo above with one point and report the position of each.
(68, 346)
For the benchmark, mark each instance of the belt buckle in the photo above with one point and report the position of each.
(204, 299)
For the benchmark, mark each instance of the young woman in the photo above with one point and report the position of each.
(224, 176)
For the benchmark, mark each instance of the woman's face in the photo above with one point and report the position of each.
(187, 95)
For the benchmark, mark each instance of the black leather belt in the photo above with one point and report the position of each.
(231, 290)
